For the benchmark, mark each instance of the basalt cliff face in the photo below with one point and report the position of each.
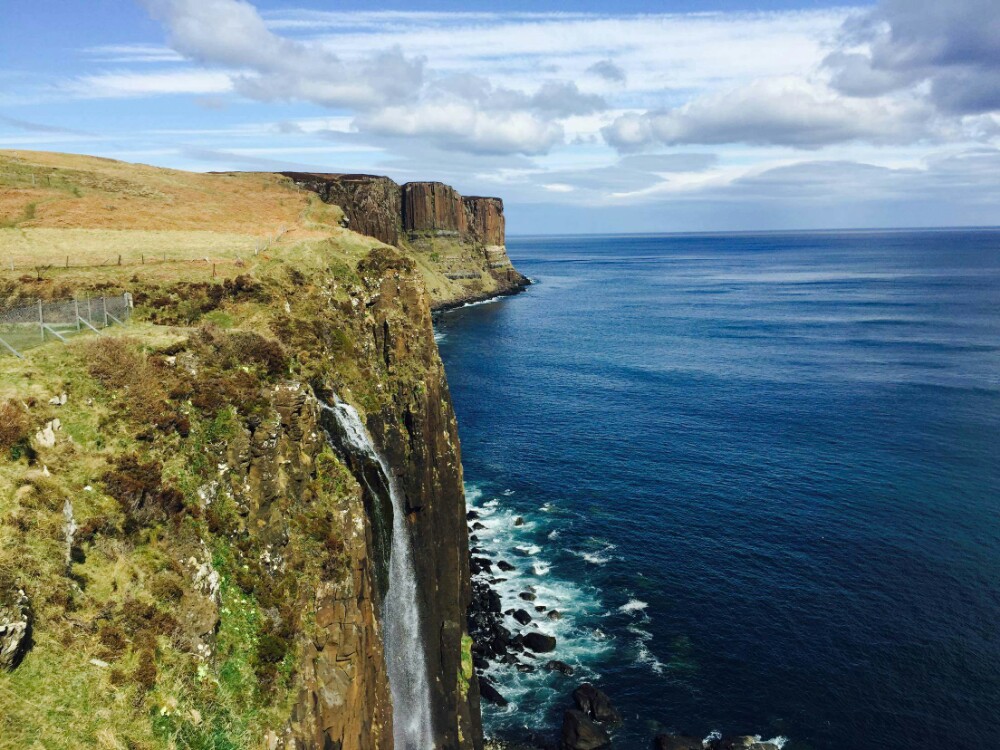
(189, 555)
(459, 242)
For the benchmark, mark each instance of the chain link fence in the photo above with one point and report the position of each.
(25, 326)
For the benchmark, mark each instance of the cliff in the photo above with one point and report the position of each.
(195, 557)
(459, 243)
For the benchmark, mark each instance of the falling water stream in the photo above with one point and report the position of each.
(404, 648)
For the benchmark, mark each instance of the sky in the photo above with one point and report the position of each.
(632, 116)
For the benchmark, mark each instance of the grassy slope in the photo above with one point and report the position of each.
(302, 290)
(83, 211)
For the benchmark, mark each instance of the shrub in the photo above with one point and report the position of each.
(113, 360)
(145, 673)
(118, 363)
(14, 424)
(138, 488)
(236, 349)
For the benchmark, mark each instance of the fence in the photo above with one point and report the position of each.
(33, 325)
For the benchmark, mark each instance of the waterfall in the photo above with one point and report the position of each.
(404, 648)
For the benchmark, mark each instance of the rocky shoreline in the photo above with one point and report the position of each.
(516, 286)
(589, 719)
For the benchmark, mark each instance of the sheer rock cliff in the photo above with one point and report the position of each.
(458, 242)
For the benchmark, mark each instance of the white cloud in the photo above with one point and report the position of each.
(133, 53)
(788, 112)
(131, 84)
(953, 46)
(232, 34)
(467, 127)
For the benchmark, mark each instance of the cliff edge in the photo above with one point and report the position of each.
(189, 557)
(458, 242)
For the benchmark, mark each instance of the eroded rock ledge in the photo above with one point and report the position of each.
(459, 242)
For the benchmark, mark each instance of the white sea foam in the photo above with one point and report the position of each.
(439, 336)
(648, 658)
(489, 301)
(644, 635)
(507, 493)
(633, 605)
(531, 694)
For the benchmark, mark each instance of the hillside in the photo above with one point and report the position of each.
(81, 211)
(191, 554)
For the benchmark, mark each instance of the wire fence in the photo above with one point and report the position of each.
(27, 326)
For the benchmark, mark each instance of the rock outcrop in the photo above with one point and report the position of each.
(485, 220)
(459, 242)
(433, 208)
(15, 630)
(579, 732)
(371, 204)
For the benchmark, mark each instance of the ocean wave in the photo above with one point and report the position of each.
(532, 694)
(488, 301)
(644, 635)
(715, 735)
(633, 605)
(593, 558)
(647, 658)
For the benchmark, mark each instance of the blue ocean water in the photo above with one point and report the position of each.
(759, 475)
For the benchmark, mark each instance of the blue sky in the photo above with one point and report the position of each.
(680, 116)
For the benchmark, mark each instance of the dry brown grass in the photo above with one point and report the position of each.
(55, 207)
(88, 192)
(13, 424)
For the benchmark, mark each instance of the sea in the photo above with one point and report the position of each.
(758, 475)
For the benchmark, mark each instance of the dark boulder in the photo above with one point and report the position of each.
(505, 566)
(480, 565)
(540, 642)
(595, 704)
(676, 742)
(472, 515)
(522, 667)
(522, 617)
(519, 521)
(527, 596)
(490, 693)
(555, 614)
(580, 733)
(559, 666)
(478, 526)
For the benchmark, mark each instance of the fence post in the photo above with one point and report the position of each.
(104, 301)
(90, 313)
(76, 304)
(41, 320)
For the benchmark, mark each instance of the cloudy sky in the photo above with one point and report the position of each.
(669, 116)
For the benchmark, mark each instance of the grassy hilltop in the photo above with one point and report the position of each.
(84, 211)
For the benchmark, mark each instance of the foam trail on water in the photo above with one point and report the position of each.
(404, 648)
